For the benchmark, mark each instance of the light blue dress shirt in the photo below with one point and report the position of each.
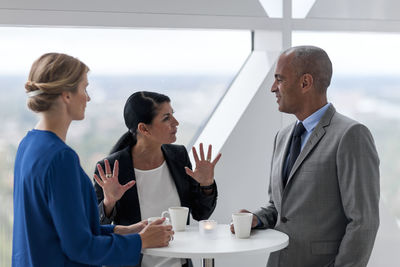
(311, 122)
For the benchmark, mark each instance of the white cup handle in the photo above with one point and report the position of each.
(166, 214)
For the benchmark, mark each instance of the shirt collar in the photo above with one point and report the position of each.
(311, 121)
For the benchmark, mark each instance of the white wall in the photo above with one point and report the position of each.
(242, 173)
(243, 128)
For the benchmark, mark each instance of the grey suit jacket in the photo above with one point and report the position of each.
(329, 207)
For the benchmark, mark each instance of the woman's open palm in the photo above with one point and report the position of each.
(203, 173)
(112, 189)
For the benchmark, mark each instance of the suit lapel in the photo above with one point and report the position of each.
(125, 160)
(173, 169)
(126, 174)
(315, 137)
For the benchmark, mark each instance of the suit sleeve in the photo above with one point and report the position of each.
(202, 205)
(70, 207)
(267, 215)
(100, 198)
(358, 177)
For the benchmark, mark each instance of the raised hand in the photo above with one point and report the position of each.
(112, 189)
(204, 171)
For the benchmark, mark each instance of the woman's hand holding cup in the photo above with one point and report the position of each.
(156, 234)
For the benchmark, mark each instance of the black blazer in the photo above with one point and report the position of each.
(127, 210)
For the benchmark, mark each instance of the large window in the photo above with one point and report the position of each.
(193, 67)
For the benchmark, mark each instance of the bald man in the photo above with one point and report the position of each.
(324, 181)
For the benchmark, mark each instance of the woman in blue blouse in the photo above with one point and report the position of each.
(55, 207)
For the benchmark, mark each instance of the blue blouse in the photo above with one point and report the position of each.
(56, 220)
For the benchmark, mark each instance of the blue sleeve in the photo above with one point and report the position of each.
(67, 200)
(107, 229)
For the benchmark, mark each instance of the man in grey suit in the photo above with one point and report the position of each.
(324, 182)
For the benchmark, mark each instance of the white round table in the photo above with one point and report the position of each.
(190, 244)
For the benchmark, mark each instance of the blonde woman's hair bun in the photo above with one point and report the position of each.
(50, 75)
(31, 86)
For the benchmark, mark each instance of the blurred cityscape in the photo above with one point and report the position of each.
(375, 101)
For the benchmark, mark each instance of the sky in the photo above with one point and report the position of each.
(139, 51)
(127, 51)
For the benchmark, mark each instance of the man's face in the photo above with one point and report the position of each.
(287, 85)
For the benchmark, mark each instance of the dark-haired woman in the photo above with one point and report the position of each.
(55, 209)
(161, 171)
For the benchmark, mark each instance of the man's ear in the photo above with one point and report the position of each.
(307, 82)
(142, 128)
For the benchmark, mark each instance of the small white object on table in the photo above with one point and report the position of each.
(208, 228)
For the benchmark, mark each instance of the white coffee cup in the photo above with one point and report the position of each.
(242, 224)
(178, 217)
(152, 219)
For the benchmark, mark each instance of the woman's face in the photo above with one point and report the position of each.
(79, 100)
(164, 125)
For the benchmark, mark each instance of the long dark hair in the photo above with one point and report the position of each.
(140, 107)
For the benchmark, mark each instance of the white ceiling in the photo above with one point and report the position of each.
(244, 8)
(364, 15)
(356, 9)
(223, 14)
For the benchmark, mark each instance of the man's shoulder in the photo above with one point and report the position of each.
(344, 128)
(343, 123)
(334, 121)
(343, 119)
